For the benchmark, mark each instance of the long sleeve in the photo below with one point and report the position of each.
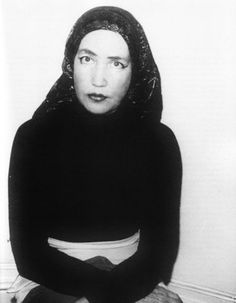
(29, 215)
(159, 234)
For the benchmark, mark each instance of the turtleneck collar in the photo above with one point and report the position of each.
(122, 118)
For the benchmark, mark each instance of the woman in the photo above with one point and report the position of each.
(95, 178)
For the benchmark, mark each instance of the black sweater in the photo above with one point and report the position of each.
(79, 177)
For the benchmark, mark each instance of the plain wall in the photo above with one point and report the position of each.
(194, 47)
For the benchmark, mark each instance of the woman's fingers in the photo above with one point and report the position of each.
(163, 298)
(165, 295)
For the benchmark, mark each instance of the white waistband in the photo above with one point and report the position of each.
(59, 244)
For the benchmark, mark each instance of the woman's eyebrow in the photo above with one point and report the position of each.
(118, 58)
(87, 51)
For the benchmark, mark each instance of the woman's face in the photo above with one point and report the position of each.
(102, 71)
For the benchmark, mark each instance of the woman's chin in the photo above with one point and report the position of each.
(99, 109)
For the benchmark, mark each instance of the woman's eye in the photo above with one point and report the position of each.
(85, 59)
(118, 64)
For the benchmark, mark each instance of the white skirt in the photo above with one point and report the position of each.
(114, 251)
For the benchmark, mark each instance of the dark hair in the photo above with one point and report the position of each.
(144, 94)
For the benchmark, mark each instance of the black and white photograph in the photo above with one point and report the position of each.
(118, 151)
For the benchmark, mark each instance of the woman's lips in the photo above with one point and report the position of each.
(97, 97)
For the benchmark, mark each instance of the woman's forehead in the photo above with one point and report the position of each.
(105, 43)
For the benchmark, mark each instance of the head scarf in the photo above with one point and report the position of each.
(144, 94)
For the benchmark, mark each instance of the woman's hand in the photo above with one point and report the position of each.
(161, 295)
(164, 295)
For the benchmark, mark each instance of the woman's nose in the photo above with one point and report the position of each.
(99, 76)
